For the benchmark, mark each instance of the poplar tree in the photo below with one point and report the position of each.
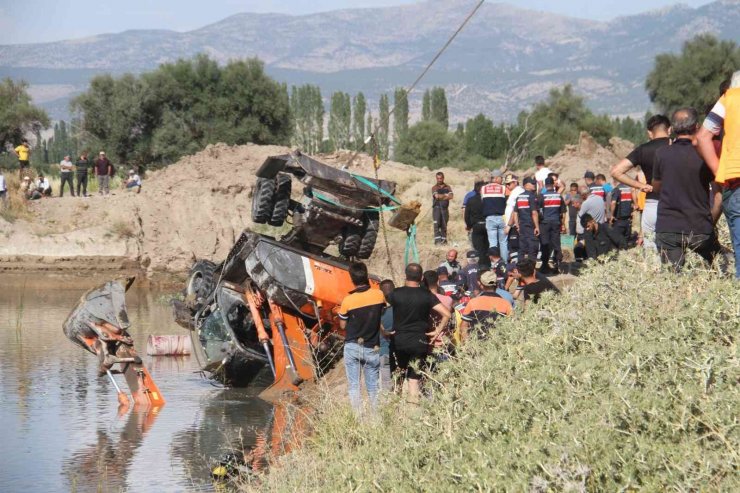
(400, 114)
(384, 126)
(358, 127)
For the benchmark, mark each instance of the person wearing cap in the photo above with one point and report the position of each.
(513, 190)
(66, 173)
(43, 186)
(542, 171)
(497, 177)
(28, 189)
(482, 311)
(469, 273)
(532, 284)
(553, 208)
(133, 181)
(475, 221)
(493, 196)
(441, 196)
(103, 170)
(82, 166)
(526, 219)
(600, 238)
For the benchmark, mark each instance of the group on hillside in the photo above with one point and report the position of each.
(71, 173)
(686, 175)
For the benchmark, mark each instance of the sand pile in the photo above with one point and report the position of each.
(574, 160)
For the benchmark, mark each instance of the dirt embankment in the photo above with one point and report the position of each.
(197, 207)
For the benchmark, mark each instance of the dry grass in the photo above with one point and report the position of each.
(631, 380)
(122, 230)
(16, 207)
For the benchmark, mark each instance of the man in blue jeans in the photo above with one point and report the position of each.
(359, 317)
(493, 196)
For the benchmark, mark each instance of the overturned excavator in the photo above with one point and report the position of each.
(270, 308)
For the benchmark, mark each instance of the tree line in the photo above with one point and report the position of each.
(179, 108)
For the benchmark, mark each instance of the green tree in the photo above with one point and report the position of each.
(482, 138)
(307, 109)
(400, 114)
(18, 116)
(340, 120)
(428, 144)
(559, 120)
(439, 111)
(358, 127)
(383, 126)
(692, 78)
(426, 106)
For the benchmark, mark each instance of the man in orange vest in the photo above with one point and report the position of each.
(725, 118)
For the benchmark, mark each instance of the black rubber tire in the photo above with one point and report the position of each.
(351, 240)
(201, 280)
(369, 236)
(282, 200)
(263, 200)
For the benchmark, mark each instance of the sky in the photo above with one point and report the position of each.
(35, 21)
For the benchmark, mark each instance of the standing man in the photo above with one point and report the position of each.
(103, 170)
(475, 221)
(23, 152)
(526, 220)
(67, 170)
(82, 166)
(622, 205)
(493, 196)
(441, 196)
(412, 306)
(658, 131)
(553, 209)
(725, 117)
(542, 172)
(387, 366)
(3, 190)
(682, 179)
(573, 201)
(359, 317)
(513, 190)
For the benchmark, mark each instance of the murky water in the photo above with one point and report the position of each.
(59, 427)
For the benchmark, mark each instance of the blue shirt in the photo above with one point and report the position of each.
(386, 320)
(467, 197)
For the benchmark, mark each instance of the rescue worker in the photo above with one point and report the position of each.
(597, 185)
(600, 238)
(622, 206)
(469, 273)
(451, 265)
(448, 286)
(441, 196)
(526, 220)
(493, 196)
(482, 311)
(475, 221)
(553, 208)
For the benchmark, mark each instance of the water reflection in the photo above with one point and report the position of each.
(60, 430)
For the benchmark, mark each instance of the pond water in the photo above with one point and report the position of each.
(60, 428)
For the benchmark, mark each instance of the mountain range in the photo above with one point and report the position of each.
(506, 59)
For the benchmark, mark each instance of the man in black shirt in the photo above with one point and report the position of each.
(441, 196)
(475, 222)
(531, 283)
(412, 306)
(682, 179)
(82, 165)
(658, 130)
(601, 238)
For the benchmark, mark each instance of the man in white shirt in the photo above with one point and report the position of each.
(514, 190)
(133, 181)
(3, 190)
(541, 174)
(43, 186)
(66, 174)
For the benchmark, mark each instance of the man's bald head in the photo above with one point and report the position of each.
(685, 121)
(584, 191)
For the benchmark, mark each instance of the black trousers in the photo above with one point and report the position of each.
(550, 241)
(623, 227)
(441, 217)
(479, 238)
(513, 244)
(67, 178)
(82, 182)
(529, 245)
(572, 229)
(673, 246)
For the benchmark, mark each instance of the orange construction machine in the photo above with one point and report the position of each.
(272, 305)
(99, 323)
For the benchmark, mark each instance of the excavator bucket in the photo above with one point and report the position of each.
(99, 324)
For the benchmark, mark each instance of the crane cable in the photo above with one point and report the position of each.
(376, 148)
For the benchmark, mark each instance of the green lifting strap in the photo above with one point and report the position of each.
(326, 199)
(411, 246)
(375, 187)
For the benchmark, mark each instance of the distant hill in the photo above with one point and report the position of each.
(506, 59)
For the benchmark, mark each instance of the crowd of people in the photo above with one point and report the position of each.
(74, 175)
(678, 182)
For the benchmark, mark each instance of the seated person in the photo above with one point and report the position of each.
(43, 186)
(600, 238)
(133, 180)
(28, 190)
(531, 282)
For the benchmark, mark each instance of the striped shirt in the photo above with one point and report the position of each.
(362, 310)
